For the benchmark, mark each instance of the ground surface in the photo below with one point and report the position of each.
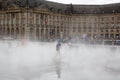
(38, 61)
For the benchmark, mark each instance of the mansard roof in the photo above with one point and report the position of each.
(109, 8)
(63, 8)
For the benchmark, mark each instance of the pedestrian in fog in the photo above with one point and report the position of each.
(58, 46)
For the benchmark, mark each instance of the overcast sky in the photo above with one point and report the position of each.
(86, 1)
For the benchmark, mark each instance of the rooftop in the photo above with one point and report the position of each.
(62, 8)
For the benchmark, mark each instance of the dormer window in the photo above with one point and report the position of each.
(59, 10)
(51, 8)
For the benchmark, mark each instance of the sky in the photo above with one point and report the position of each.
(86, 1)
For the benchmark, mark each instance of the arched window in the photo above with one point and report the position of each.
(47, 35)
(42, 32)
(8, 31)
(17, 31)
(31, 32)
(22, 32)
(12, 31)
(58, 33)
(37, 33)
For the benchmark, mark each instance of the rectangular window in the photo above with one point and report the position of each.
(17, 19)
(112, 26)
(112, 30)
(4, 19)
(118, 25)
(101, 29)
(95, 19)
(112, 35)
(1, 19)
(24, 21)
(37, 15)
(102, 19)
(30, 21)
(30, 14)
(106, 30)
(79, 28)
(37, 21)
(112, 18)
(95, 30)
(118, 18)
(106, 36)
(8, 19)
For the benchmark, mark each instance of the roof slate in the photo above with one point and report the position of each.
(63, 8)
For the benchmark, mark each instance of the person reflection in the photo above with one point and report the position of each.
(58, 67)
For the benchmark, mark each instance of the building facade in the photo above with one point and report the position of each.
(45, 20)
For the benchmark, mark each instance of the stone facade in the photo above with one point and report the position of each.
(44, 20)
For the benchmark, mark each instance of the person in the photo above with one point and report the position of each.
(58, 46)
(58, 68)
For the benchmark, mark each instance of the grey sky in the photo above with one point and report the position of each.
(86, 1)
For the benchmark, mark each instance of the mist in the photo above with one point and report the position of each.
(37, 61)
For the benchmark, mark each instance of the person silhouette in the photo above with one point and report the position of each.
(58, 46)
(58, 67)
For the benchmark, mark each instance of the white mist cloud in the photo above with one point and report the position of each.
(36, 61)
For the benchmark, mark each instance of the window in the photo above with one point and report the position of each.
(37, 15)
(111, 35)
(95, 30)
(118, 25)
(30, 14)
(4, 21)
(57, 17)
(111, 30)
(102, 19)
(53, 17)
(79, 28)
(1, 21)
(30, 21)
(17, 19)
(101, 35)
(106, 30)
(74, 29)
(106, 36)
(37, 21)
(106, 24)
(84, 28)
(84, 18)
(118, 18)
(112, 26)
(112, 18)
(95, 20)
(89, 28)
(95, 24)
(117, 30)
(24, 22)
(74, 19)
(79, 18)
(101, 29)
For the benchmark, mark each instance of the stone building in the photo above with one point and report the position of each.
(45, 20)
